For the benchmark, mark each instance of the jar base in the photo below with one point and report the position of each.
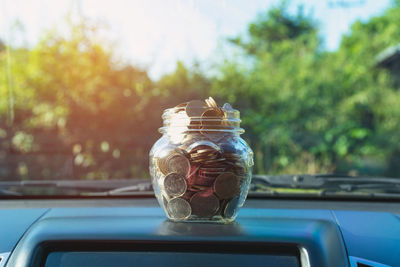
(204, 220)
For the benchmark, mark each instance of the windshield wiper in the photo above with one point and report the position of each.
(112, 187)
(327, 184)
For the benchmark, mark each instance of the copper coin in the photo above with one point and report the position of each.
(178, 163)
(195, 108)
(209, 173)
(162, 166)
(203, 156)
(203, 144)
(204, 204)
(198, 188)
(174, 185)
(211, 117)
(209, 150)
(178, 208)
(188, 195)
(214, 161)
(162, 156)
(211, 169)
(227, 185)
(194, 124)
(203, 181)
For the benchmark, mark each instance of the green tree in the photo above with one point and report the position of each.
(309, 110)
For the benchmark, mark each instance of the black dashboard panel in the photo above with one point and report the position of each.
(146, 258)
(313, 231)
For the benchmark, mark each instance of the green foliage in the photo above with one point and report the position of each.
(305, 110)
(308, 110)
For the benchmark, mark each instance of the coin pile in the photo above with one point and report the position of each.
(202, 176)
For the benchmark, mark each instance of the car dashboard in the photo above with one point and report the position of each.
(135, 232)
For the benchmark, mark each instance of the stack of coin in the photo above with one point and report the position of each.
(201, 176)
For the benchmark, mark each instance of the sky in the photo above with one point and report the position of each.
(154, 34)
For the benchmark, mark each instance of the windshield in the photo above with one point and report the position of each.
(83, 86)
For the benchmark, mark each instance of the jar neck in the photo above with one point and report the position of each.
(176, 121)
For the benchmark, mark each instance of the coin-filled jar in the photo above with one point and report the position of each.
(201, 167)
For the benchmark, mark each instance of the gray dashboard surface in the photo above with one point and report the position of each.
(313, 231)
(14, 223)
(371, 235)
(371, 230)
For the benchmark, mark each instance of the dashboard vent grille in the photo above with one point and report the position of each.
(3, 258)
(359, 262)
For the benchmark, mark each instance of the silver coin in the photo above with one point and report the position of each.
(178, 163)
(178, 208)
(175, 185)
(231, 208)
(203, 180)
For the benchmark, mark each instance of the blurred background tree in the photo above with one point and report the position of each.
(307, 110)
(70, 109)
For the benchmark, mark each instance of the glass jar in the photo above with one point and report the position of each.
(201, 167)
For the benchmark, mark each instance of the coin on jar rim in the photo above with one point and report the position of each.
(228, 107)
(195, 108)
(175, 185)
(204, 204)
(212, 102)
(178, 163)
(178, 208)
(227, 185)
(211, 113)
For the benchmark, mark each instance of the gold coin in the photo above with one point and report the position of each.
(212, 102)
(208, 102)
